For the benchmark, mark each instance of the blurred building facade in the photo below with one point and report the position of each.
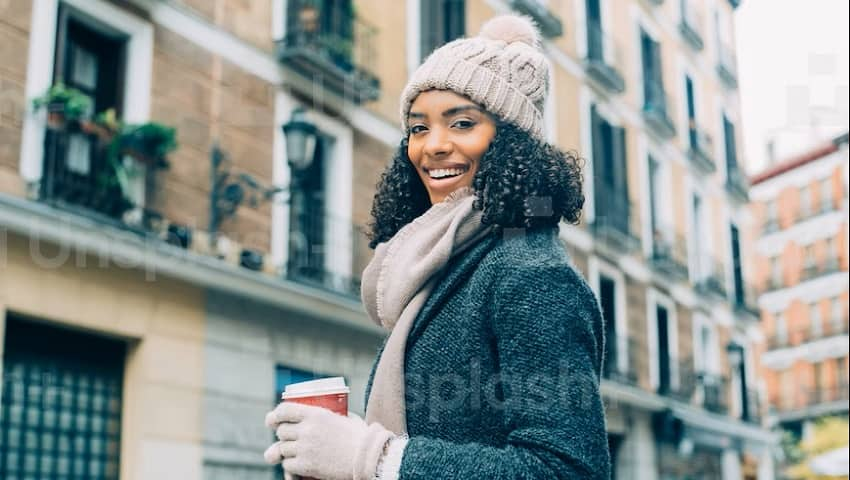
(153, 337)
(800, 207)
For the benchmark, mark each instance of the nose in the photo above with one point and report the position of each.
(438, 143)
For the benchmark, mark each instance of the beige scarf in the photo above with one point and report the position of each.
(398, 281)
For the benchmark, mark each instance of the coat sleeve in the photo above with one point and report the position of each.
(549, 339)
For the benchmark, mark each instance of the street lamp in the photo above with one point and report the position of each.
(301, 142)
(735, 353)
(301, 138)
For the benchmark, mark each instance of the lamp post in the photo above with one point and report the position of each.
(301, 141)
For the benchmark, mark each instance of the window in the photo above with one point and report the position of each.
(607, 301)
(653, 85)
(837, 315)
(665, 374)
(707, 350)
(731, 148)
(815, 320)
(442, 22)
(737, 267)
(61, 405)
(308, 220)
(805, 202)
(91, 60)
(772, 214)
(658, 230)
(841, 379)
(781, 329)
(692, 113)
(831, 251)
(809, 259)
(595, 41)
(611, 192)
(775, 272)
(826, 194)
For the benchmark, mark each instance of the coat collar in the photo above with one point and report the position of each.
(450, 279)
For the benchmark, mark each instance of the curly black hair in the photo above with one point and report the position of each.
(521, 182)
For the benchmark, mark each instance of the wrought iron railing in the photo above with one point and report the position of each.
(690, 24)
(712, 280)
(669, 252)
(831, 265)
(316, 243)
(736, 183)
(656, 105)
(727, 64)
(604, 60)
(612, 220)
(635, 359)
(701, 149)
(327, 40)
(715, 389)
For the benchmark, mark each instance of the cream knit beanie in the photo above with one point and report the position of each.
(503, 69)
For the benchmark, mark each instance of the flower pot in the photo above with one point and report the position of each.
(179, 235)
(55, 117)
(251, 259)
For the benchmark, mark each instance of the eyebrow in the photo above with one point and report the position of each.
(449, 112)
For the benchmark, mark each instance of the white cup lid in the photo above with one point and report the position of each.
(322, 386)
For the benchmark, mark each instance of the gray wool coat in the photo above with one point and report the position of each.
(502, 368)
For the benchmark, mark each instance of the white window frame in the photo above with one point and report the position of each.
(665, 215)
(137, 74)
(597, 267)
(654, 299)
(605, 11)
(338, 187)
(706, 361)
(414, 25)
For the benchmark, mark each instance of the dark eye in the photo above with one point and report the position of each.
(416, 129)
(464, 124)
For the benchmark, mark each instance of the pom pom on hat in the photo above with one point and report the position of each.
(512, 28)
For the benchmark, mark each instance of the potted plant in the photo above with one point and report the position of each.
(148, 143)
(63, 104)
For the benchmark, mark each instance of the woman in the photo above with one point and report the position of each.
(491, 369)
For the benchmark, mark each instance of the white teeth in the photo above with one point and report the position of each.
(445, 172)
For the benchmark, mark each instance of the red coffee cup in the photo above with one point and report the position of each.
(330, 393)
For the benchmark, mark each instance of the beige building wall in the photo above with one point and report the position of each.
(162, 323)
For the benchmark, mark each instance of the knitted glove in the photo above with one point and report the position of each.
(315, 442)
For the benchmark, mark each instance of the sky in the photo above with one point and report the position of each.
(793, 74)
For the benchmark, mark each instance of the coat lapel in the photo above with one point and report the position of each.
(450, 280)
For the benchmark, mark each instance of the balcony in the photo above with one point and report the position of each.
(669, 253)
(331, 46)
(714, 392)
(690, 24)
(831, 265)
(604, 62)
(612, 220)
(700, 150)
(807, 334)
(684, 391)
(549, 23)
(727, 65)
(314, 245)
(737, 184)
(836, 393)
(655, 108)
(635, 360)
(83, 175)
(712, 282)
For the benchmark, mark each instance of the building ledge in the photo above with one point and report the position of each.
(126, 249)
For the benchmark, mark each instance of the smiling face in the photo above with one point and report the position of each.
(448, 135)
